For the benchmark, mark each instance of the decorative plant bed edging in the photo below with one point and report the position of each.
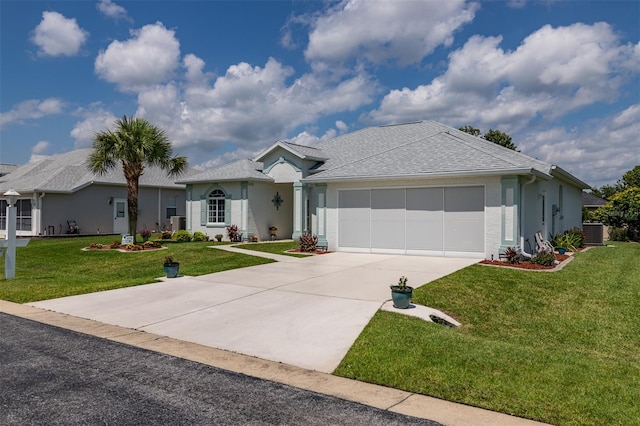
(123, 249)
(526, 265)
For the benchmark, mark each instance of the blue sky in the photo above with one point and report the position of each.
(227, 79)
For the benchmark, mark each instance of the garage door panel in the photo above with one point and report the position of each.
(464, 236)
(425, 236)
(354, 219)
(464, 200)
(413, 220)
(387, 218)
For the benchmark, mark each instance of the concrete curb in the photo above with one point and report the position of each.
(385, 398)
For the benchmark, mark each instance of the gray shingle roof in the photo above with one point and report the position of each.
(590, 200)
(68, 173)
(302, 151)
(7, 168)
(239, 170)
(306, 152)
(419, 149)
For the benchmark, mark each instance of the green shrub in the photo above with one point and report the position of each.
(219, 237)
(199, 236)
(544, 258)
(166, 235)
(571, 239)
(618, 234)
(182, 236)
(152, 244)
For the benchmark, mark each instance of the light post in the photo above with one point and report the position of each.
(10, 255)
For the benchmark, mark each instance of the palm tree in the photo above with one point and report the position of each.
(136, 143)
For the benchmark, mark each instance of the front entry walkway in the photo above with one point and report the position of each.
(304, 312)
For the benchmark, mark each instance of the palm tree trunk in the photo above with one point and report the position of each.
(132, 201)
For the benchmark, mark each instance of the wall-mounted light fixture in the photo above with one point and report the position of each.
(110, 200)
(277, 200)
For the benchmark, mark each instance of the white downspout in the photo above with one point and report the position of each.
(39, 226)
(521, 214)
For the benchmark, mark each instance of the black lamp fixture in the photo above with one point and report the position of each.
(277, 200)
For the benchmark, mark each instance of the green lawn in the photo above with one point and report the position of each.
(276, 247)
(562, 347)
(50, 268)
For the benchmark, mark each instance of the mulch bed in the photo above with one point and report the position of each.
(526, 264)
(297, 250)
(122, 248)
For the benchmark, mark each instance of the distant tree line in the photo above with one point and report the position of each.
(495, 136)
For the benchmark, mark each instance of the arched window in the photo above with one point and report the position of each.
(215, 204)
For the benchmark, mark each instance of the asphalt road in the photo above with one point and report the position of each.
(53, 376)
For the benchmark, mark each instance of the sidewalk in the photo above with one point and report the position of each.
(394, 400)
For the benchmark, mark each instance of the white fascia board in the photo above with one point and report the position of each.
(537, 173)
(565, 175)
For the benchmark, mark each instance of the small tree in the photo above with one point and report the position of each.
(623, 210)
(470, 129)
(500, 138)
(495, 136)
(135, 143)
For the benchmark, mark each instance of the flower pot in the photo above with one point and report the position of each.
(402, 298)
(562, 250)
(171, 269)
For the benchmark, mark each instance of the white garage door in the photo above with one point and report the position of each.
(438, 221)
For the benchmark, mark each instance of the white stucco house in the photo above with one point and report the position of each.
(420, 188)
(60, 188)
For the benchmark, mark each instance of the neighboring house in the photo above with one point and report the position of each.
(416, 188)
(595, 232)
(5, 169)
(592, 202)
(60, 188)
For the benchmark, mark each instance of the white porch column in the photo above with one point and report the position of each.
(510, 229)
(244, 208)
(10, 253)
(298, 210)
(321, 214)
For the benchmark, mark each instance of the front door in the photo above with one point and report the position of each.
(121, 216)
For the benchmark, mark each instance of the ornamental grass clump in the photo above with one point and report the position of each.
(308, 243)
(512, 256)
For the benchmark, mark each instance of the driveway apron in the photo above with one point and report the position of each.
(305, 312)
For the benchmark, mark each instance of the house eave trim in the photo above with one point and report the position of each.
(565, 175)
(517, 172)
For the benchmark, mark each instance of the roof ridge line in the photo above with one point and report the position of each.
(492, 154)
(381, 152)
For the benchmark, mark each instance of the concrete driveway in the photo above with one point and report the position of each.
(304, 312)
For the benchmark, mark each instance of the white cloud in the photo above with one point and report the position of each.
(381, 31)
(56, 35)
(148, 58)
(554, 71)
(598, 153)
(341, 125)
(95, 119)
(112, 10)
(41, 147)
(38, 152)
(250, 106)
(31, 109)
